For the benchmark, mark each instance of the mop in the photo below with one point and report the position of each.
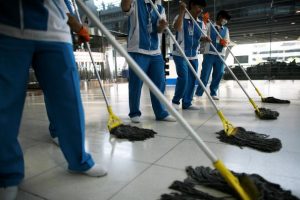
(263, 99)
(238, 136)
(218, 164)
(206, 177)
(261, 142)
(115, 124)
(262, 113)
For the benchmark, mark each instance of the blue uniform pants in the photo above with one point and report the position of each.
(153, 66)
(55, 68)
(211, 62)
(50, 117)
(185, 83)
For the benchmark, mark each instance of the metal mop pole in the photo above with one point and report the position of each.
(92, 59)
(229, 177)
(214, 48)
(229, 129)
(139, 72)
(242, 68)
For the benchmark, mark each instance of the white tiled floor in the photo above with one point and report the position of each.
(144, 170)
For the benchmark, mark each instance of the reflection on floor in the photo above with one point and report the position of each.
(144, 170)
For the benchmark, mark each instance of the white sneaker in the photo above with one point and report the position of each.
(168, 118)
(55, 140)
(9, 193)
(176, 106)
(95, 171)
(192, 108)
(197, 98)
(136, 119)
(215, 98)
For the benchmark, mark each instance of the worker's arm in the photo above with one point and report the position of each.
(178, 24)
(226, 40)
(126, 5)
(73, 23)
(78, 28)
(162, 23)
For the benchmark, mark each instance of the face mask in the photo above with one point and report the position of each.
(224, 21)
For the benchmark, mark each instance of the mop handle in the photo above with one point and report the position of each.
(92, 58)
(244, 71)
(141, 74)
(228, 176)
(187, 60)
(214, 48)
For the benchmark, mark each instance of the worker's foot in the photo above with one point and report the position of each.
(197, 98)
(191, 107)
(136, 119)
(176, 106)
(168, 118)
(55, 141)
(95, 171)
(8, 193)
(215, 97)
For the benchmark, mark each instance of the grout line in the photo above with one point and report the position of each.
(128, 183)
(33, 194)
(168, 167)
(212, 116)
(151, 164)
(44, 171)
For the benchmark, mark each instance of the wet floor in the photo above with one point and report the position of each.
(144, 170)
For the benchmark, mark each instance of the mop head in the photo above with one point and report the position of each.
(188, 192)
(256, 186)
(275, 100)
(265, 113)
(243, 138)
(132, 133)
(178, 196)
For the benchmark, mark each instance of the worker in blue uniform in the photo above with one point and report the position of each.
(35, 33)
(188, 36)
(144, 37)
(211, 60)
(83, 36)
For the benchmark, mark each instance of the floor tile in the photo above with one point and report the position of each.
(58, 184)
(150, 185)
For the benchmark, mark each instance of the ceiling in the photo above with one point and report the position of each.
(256, 20)
(253, 21)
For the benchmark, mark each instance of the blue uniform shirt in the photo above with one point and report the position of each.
(188, 38)
(224, 32)
(143, 21)
(35, 20)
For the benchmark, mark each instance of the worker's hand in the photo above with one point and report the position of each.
(182, 8)
(205, 39)
(84, 35)
(162, 25)
(224, 43)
